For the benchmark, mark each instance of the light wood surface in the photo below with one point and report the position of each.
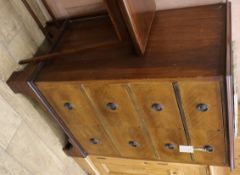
(132, 128)
(85, 165)
(81, 120)
(123, 123)
(164, 126)
(206, 128)
(117, 166)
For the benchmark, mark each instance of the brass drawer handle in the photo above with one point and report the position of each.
(202, 107)
(112, 106)
(169, 146)
(157, 107)
(133, 144)
(68, 106)
(94, 141)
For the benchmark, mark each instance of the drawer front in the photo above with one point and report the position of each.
(158, 105)
(117, 166)
(74, 109)
(121, 120)
(202, 105)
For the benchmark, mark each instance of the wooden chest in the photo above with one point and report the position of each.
(172, 104)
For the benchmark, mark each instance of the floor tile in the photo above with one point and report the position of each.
(28, 149)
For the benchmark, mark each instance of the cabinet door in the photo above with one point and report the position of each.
(202, 105)
(73, 107)
(157, 104)
(121, 120)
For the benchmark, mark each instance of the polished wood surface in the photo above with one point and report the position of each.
(230, 83)
(139, 16)
(81, 119)
(117, 19)
(164, 126)
(116, 166)
(70, 8)
(205, 127)
(87, 33)
(183, 43)
(123, 123)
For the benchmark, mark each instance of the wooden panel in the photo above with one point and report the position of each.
(139, 15)
(165, 126)
(122, 121)
(196, 35)
(70, 8)
(218, 170)
(206, 128)
(88, 33)
(81, 119)
(115, 14)
(230, 88)
(176, 4)
(86, 166)
(117, 166)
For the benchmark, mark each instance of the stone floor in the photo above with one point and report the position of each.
(30, 142)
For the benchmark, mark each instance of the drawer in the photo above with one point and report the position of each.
(117, 166)
(202, 104)
(158, 105)
(121, 119)
(72, 106)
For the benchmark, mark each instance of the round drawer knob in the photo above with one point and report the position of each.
(169, 146)
(157, 107)
(133, 144)
(208, 148)
(112, 106)
(68, 106)
(202, 107)
(94, 141)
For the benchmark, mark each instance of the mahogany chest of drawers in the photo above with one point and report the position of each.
(112, 102)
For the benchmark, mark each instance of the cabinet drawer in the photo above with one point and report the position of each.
(117, 166)
(72, 106)
(121, 120)
(202, 106)
(158, 105)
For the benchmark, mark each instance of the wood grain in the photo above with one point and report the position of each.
(116, 166)
(86, 166)
(139, 16)
(164, 126)
(183, 43)
(87, 33)
(118, 22)
(230, 84)
(205, 128)
(81, 120)
(123, 123)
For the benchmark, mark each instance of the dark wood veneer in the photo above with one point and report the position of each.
(179, 46)
(229, 85)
